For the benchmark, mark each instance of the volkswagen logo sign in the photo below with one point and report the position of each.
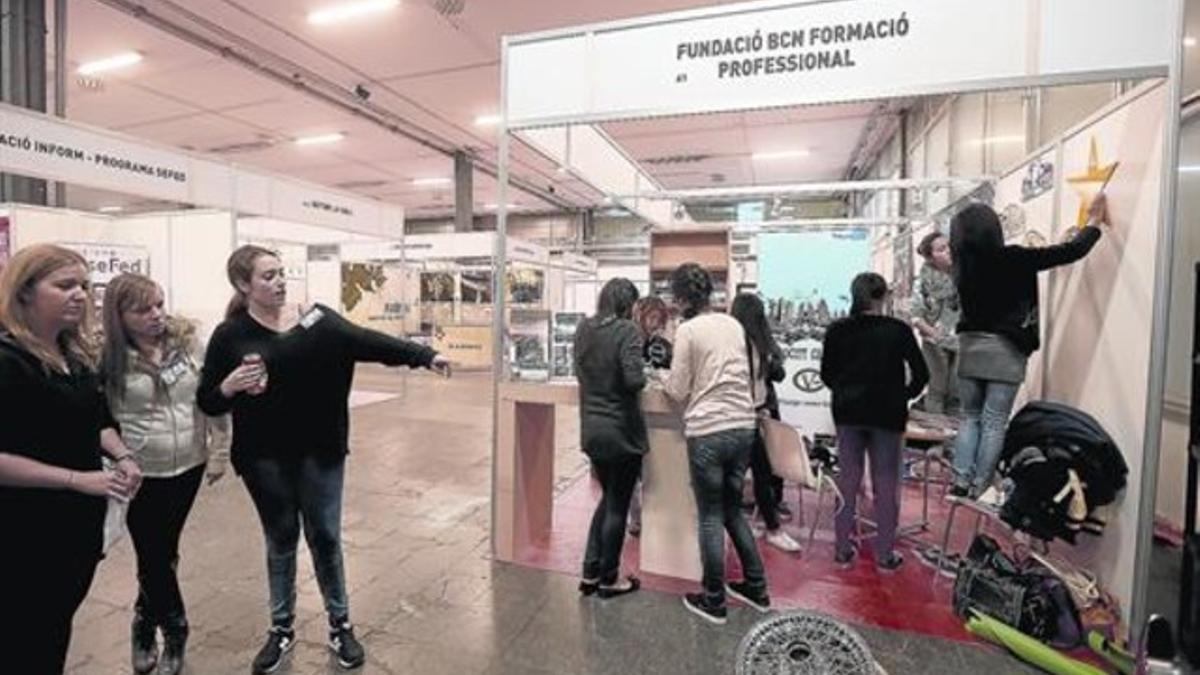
(808, 380)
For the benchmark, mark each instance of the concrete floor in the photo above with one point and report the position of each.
(424, 596)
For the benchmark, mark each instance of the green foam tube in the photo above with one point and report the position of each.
(1027, 648)
(1119, 658)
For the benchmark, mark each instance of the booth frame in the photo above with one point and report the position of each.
(1171, 72)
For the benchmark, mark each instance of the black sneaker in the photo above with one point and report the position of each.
(342, 642)
(279, 642)
(696, 604)
(845, 557)
(960, 491)
(890, 564)
(757, 599)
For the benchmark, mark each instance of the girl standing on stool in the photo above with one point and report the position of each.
(863, 364)
(999, 329)
(287, 380)
(54, 423)
(766, 368)
(151, 370)
(608, 363)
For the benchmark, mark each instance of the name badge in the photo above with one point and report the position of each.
(312, 317)
(171, 374)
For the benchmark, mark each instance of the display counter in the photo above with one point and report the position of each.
(525, 478)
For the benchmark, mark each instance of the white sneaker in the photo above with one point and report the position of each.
(783, 541)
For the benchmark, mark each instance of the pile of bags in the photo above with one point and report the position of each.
(1063, 466)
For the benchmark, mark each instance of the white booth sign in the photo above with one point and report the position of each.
(43, 147)
(108, 261)
(782, 53)
(35, 144)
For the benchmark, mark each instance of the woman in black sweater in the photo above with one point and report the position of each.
(608, 364)
(863, 364)
(54, 424)
(287, 381)
(999, 329)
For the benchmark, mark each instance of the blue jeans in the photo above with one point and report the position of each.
(986, 406)
(717, 463)
(286, 493)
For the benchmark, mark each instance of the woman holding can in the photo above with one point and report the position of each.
(286, 379)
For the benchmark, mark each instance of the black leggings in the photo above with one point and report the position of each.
(43, 590)
(156, 518)
(602, 560)
(768, 488)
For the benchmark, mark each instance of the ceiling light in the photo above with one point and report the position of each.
(496, 207)
(349, 10)
(780, 154)
(487, 120)
(995, 140)
(110, 209)
(1189, 41)
(111, 63)
(321, 139)
(1189, 168)
(431, 182)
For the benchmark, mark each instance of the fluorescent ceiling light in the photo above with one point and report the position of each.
(110, 209)
(780, 154)
(123, 60)
(431, 182)
(321, 139)
(1189, 41)
(496, 207)
(349, 10)
(996, 140)
(1190, 168)
(487, 120)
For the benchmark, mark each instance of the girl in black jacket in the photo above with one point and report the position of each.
(608, 364)
(999, 329)
(54, 423)
(287, 381)
(766, 368)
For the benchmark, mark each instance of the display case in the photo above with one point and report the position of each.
(529, 344)
(562, 344)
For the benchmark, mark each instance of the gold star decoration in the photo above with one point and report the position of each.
(1091, 182)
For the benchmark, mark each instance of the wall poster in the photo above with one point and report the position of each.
(373, 295)
(802, 300)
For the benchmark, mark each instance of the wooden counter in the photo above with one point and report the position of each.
(525, 478)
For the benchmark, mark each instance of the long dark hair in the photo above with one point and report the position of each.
(866, 289)
(748, 309)
(240, 268)
(976, 242)
(692, 287)
(617, 298)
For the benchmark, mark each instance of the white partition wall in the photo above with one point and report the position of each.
(776, 53)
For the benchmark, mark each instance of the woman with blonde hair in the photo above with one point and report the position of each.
(54, 428)
(151, 370)
(287, 380)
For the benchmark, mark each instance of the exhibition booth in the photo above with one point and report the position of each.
(1104, 321)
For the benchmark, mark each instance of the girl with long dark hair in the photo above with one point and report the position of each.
(151, 370)
(999, 330)
(766, 368)
(863, 364)
(287, 380)
(710, 377)
(608, 364)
